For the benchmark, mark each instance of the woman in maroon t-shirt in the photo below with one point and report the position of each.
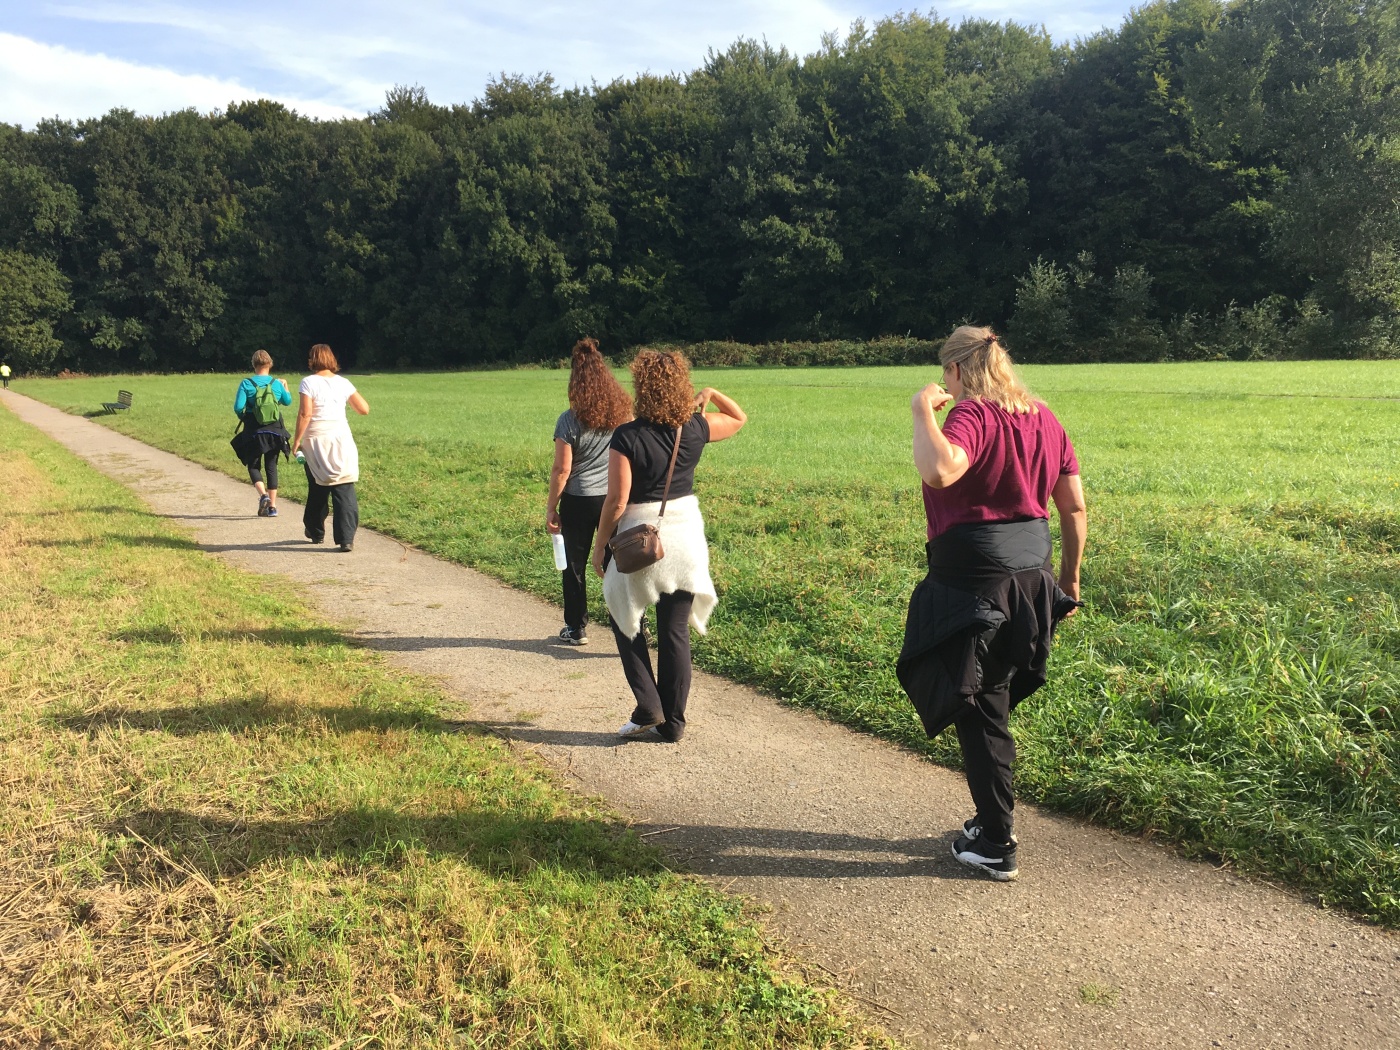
(1000, 458)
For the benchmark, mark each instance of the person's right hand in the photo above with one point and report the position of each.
(935, 396)
(551, 522)
(703, 398)
(1070, 587)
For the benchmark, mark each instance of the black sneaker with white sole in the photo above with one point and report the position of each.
(997, 860)
(573, 635)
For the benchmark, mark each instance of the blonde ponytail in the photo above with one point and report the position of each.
(986, 369)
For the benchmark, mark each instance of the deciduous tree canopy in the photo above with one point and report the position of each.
(1206, 180)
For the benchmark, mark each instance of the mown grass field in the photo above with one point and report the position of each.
(1232, 685)
(222, 826)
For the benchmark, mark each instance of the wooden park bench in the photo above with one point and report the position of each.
(123, 401)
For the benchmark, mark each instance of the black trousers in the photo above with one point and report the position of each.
(345, 516)
(578, 522)
(984, 733)
(269, 466)
(661, 696)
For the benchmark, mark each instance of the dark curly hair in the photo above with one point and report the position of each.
(661, 379)
(595, 395)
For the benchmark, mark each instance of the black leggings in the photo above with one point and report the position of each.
(269, 464)
(578, 521)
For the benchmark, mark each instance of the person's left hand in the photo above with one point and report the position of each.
(598, 561)
(551, 522)
(935, 396)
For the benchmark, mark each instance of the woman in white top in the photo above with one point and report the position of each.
(332, 460)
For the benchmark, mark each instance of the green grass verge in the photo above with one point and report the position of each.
(1232, 686)
(221, 825)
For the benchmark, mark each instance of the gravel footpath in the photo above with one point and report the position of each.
(1105, 941)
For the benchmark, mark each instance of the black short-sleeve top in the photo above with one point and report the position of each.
(648, 445)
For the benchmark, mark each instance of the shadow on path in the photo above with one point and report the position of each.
(528, 733)
(789, 853)
(543, 647)
(271, 545)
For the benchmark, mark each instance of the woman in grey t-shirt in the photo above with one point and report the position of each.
(578, 481)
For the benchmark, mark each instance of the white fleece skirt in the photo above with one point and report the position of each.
(331, 452)
(686, 566)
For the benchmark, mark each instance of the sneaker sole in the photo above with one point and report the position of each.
(993, 873)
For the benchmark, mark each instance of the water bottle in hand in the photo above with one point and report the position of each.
(300, 456)
(561, 560)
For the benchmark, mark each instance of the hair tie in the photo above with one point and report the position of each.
(990, 339)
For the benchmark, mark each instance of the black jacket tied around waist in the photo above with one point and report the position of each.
(987, 584)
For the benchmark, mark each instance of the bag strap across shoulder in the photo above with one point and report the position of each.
(666, 493)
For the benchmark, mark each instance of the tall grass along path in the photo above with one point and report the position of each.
(1107, 940)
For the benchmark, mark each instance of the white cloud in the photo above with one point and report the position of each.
(40, 80)
(332, 57)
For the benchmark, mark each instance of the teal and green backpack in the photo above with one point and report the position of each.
(264, 408)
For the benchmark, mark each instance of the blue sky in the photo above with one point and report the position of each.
(80, 58)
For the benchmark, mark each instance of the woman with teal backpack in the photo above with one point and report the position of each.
(262, 436)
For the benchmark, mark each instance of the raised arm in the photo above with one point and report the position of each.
(1068, 496)
(939, 462)
(727, 419)
(619, 486)
(558, 478)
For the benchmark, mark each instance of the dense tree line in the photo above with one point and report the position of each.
(1206, 180)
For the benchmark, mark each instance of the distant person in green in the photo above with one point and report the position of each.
(578, 482)
(262, 435)
(5, 375)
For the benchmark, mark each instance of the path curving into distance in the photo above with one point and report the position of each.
(1105, 941)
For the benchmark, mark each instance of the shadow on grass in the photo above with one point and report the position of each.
(239, 716)
(497, 841)
(253, 713)
(125, 539)
(506, 843)
(105, 508)
(297, 637)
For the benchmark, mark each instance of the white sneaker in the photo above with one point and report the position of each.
(630, 728)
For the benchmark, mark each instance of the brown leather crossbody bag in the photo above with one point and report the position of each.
(640, 545)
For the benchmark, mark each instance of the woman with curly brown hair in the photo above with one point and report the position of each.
(578, 480)
(671, 427)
